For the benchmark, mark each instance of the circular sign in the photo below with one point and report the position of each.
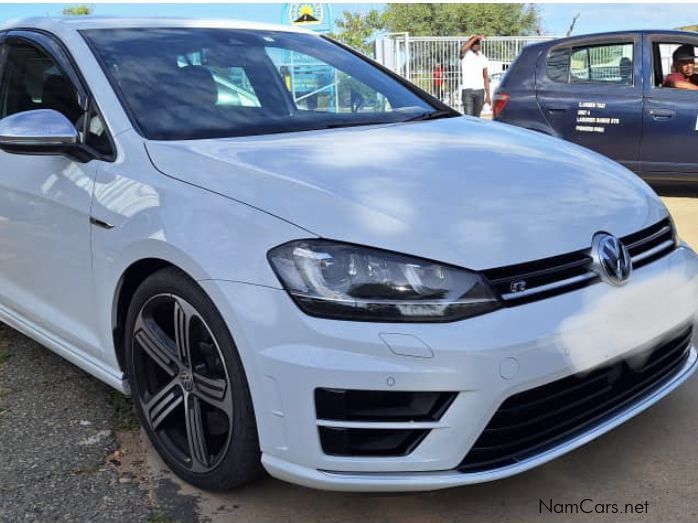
(306, 14)
(316, 17)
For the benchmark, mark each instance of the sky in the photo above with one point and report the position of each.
(556, 17)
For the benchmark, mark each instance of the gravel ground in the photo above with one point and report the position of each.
(56, 439)
(69, 451)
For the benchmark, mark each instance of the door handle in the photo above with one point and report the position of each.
(662, 114)
(557, 109)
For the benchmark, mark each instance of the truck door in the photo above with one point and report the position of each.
(590, 92)
(670, 134)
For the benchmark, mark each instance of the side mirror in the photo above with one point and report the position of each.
(42, 131)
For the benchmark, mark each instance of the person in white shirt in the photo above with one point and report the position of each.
(475, 80)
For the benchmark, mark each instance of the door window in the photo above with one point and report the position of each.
(31, 80)
(558, 65)
(664, 64)
(601, 64)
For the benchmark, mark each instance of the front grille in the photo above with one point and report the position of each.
(366, 410)
(539, 419)
(540, 279)
(650, 244)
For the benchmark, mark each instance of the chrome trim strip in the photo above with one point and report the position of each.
(403, 425)
(590, 275)
(549, 286)
(639, 257)
(646, 239)
(542, 272)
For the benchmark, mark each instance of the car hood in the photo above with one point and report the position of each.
(458, 190)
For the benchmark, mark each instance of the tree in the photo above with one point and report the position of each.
(462, 19)
(78, 10)
(358, 30)
(572, 24)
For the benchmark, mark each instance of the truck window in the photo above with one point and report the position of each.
(663, 64)
(558, 65)
(603, 64)
(611, 63)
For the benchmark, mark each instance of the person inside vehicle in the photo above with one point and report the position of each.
(626, 70)
(684, 75)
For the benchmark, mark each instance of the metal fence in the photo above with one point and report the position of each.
(418, 58)
(606, 63)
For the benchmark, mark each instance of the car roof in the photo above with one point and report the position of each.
(65, 24)
(611, 34)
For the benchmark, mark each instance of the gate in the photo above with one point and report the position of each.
(417, 57)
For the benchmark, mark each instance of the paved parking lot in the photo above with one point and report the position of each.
(59, 461)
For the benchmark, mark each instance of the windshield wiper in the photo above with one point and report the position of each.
(434, 115)
(340, 125)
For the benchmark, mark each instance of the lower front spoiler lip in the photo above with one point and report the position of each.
(435, 480)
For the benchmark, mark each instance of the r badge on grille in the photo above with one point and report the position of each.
(517, 286)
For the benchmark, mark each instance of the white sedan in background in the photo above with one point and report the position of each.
(293, 259)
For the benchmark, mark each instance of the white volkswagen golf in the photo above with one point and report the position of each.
(294, 259)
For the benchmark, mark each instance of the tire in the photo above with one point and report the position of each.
(188, 384)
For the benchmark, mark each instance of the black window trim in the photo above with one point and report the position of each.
(53, 46)
(3, 52)
(572, 44)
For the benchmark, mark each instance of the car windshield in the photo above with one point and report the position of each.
(184, 83)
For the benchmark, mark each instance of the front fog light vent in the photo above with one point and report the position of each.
(385, 406)
(364, 409)
(369, 442)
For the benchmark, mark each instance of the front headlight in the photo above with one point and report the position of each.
(341, 281)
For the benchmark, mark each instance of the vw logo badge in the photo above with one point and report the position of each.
(611, 259)
(187, 380)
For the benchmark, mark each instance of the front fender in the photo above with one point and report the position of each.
(146, 214)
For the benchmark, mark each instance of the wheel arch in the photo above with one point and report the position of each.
(130, 280)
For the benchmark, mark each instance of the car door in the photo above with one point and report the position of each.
(45, 257)
(670, 116)
(590, 92)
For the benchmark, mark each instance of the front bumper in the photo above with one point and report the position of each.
(287, 355)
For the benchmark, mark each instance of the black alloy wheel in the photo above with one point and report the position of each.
(188, 385)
